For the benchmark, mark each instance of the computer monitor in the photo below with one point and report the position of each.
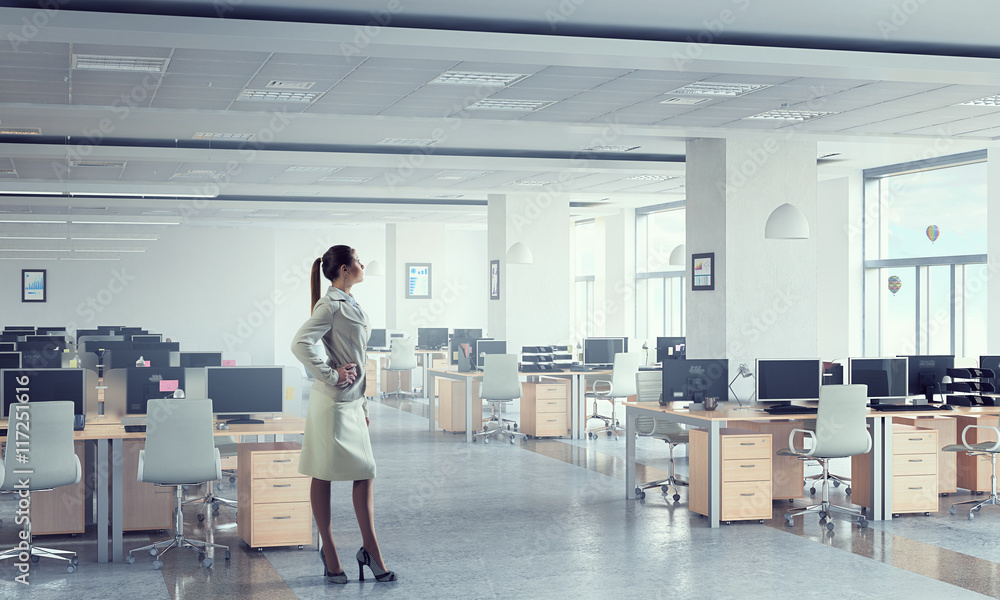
(692, 380)
(468, 333)
(925, 373)
(200, 359)
(147, 337)
(130, 331)
(168, 346)
(8, 346)
(60, 331)
(56, 341)
(126, 358)
(242, 391)
(108, 329)
(670, 348)
(785, 380)
(10, 336)
(19, 329)
(43, 385)
(40, 355)
(992, 363)
(484, 346)
(10, 360)
(885, 378)
(833, 373)
(143, 384)
(377, 339)
(601, 351)
(432, 338)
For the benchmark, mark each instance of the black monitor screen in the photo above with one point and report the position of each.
(127, 358)
(130, 331)
(791, 379)
(40, 355)
(108, 329)
(9, 337)
(169, 346)
(468, 333)
(377, 339)
(670, 348)
(200, 359)
(926, 373)
(147, 337)
(10, 360)
(114, 345)
(8, 346)
(885, 377)
(44, 385)
(601, 351)
(19, 328)
(489, 347)
(246, 390)
(432, 337)
(143, 384)
(40, 341)
(692, 380)
(992, 363)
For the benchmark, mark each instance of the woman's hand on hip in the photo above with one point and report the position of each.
(347, 374)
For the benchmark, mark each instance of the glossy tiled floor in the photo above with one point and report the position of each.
(545, 520)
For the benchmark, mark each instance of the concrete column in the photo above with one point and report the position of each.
(993, 248)
(764, 304)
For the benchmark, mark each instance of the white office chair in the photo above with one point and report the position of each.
(649, 388)
(179, 451)
(621, 385)
(980, 449)
(501, 384)
(51, 461)
(402, 357)
(841, 431)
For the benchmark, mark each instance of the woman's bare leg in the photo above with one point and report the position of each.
(319, 498)
(364, 508)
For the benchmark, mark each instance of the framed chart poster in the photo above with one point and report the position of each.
(32, 285)
(418, 280)
(702, 271)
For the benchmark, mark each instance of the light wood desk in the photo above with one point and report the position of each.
(879, 459)
(107, 433)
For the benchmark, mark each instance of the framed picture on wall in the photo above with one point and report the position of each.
(418, 280)
(702, 271)
(32, 285)
(494, 280)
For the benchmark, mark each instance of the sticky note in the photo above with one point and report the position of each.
(289, 392)
(168, 385)
(72, 363)
(229, 363)
(147, 363)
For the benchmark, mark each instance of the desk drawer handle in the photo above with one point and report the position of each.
(747, 466)
(917, 439)
(916, 460)
(915, 488)
(283, 461)
(748, 443)
(288, 517)
(754, 494)
(283, 485)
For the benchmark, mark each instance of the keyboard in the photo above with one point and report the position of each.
(135, 428)
(906, 407)
(790, 410)
(581, 368)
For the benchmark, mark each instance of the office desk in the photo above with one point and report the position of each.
(577, 395)
(106, 432)
(880, 457)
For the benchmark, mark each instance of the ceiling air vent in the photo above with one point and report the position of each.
(20, 131)
(97, 62)
(101, 164)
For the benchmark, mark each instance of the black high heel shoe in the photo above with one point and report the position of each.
(340, 578)
(366, 559)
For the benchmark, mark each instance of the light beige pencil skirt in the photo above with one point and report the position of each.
(336, 445)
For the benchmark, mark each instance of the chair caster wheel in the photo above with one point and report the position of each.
(863, 523)
(512, 440)
(207, 563)
(74, 561)
(677, 497)
(789, 523)
(130, 559)
(847, 490)
(836, 483)
(609, 434)
(201, 517)
(822, 515)
(829, 526)
(952, 510)
(152, 551)
(34, 558)
(232, 480)
(812, 491)
(157, 564)
(70, 568)
(486, 440)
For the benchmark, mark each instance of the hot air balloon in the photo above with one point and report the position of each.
(894, 284)
(933, 232)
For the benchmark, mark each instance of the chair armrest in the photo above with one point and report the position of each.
(994, 448)
(791, 441)
(142, 456)
(602, 392)
(79, 469)
(218, 465)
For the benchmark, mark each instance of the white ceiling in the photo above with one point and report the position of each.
(892, 76)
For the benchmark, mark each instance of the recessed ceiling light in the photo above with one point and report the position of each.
(289, 85)
(531, 183)
(278, 96)
(649, 178)
(8, 172)
(37, 237)
(20, 131)
(685, 100)
(478, 78)
(990, 101)
(205, 135)
(451, 196)
(96, 62)
(610, 148)
(509, 104)
(266, 215)
(717, 88)
(114, 239)
(344, 179)
(305, 169)
(407, 141)
(100, 164)
(109, 250)
(197, 174)
(790, 115)
(458, 174)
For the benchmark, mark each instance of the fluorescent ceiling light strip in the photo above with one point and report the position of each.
(20, 237)
(478, 78)
(718, 88)
(509, 104)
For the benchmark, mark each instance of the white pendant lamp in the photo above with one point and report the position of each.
(374, 268)
(678, 256)
(519, 254)
(786, 223)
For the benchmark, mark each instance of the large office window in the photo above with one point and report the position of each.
(659, 285)
(925, 257)
(584, 272)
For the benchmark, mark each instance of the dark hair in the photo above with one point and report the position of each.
(332, 263)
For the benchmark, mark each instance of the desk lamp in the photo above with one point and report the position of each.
(744, 372)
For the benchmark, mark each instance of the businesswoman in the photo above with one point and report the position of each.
(336, 446)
